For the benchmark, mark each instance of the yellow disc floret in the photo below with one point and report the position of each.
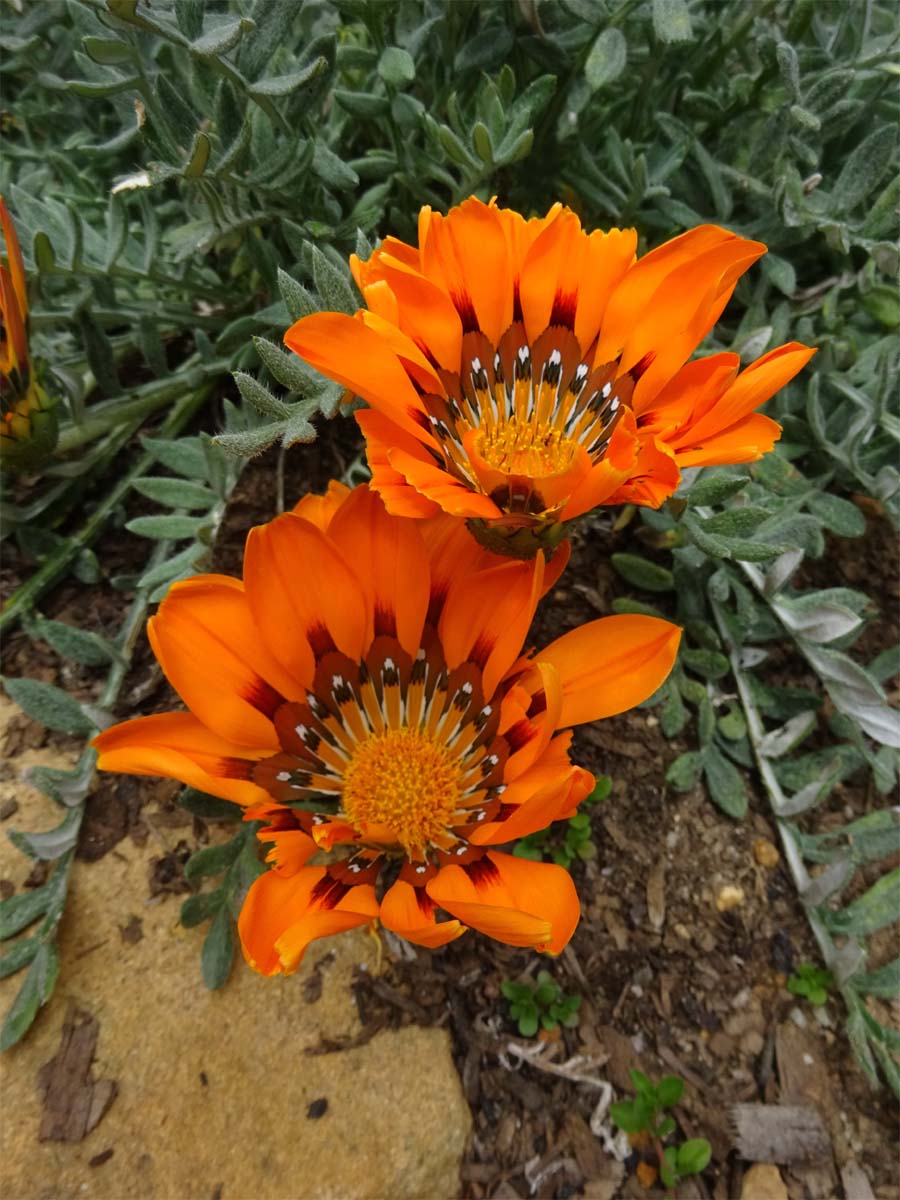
(405, 781)
(521, 447)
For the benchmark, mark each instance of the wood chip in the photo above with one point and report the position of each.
(780, 1133)
(656, 895)
(856, 1182)
(763, 1182)
(74, 1102)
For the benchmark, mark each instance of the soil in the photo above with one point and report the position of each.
(671, 981)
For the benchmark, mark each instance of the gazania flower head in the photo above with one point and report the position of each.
(27, 422)
(521, 372)
(365, 692)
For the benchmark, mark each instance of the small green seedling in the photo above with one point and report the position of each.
(576, 834)
(812, 982)
(646, 1114)
(541, 1005)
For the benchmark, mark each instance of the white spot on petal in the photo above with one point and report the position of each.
(283, 776)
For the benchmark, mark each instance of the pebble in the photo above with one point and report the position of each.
(729, 897)
(763, 1182)
(766, 854)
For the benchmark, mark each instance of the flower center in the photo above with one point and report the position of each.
(406, 781)
(525, 448)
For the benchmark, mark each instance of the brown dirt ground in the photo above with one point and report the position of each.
(668, 982)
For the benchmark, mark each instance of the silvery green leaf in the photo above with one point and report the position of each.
(164, 527)
(752, 656)
(607, 58)
(218, 950)
(781, 570)
(332, 284)
(19, 955)
(285, 85)
(816, 618)
(184, 455)
(886, 664)
(52, 843)
(672, 21)
(175, 493)
(186, 559)
(870, 912)
(725, 783)
(80, 645)
(831, 880)
(20, 911)
(864, 168)
(396, 67)
(331, 169)
(35, 991)
(49, 705)
(839, 515)
(260, 397)
(811, 794)
(219, 39)
(299, 301)
(298, 429)
(883, 982)
(288, 368)
(250, 442)
(753, 344)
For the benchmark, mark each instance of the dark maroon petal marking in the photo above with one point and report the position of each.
(563, 312)
(328, 892)
(538, 704)
(263, 697)
(482, 872)
(481, 651)
(466, 309)
(231, 768)
(504, 811)
(518, 314)
(519, 735)
(640, 367)
(385, 622)
(320, 640)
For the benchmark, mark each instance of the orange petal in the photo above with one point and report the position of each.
(654, 477)
(282, 914)
(529, 736)
(14, 258)
(319, 510)
(15, 344)
(425, 312)
(753, 387)
(746, 441)
(388, 555)
(465, 253)
(345, 349)
(615, 468)
(628, 302)
(178, 746)
(690, 393)
(550, 790)
(208, 645)
(551, 269)
(441, 487)
(487, 615)
(303, 594)
(610, 665)
(511, 899)
(607, 259)
(409, 912)
(383, 436)
(680, 313)
(291, 849)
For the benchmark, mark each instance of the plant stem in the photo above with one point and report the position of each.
(57, 563)
(144, 401)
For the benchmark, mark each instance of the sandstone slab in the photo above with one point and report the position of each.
(215, 1096)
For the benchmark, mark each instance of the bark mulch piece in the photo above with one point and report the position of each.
(74, 1102)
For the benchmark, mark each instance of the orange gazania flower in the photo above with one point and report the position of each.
(364, 688)
(520, 372)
